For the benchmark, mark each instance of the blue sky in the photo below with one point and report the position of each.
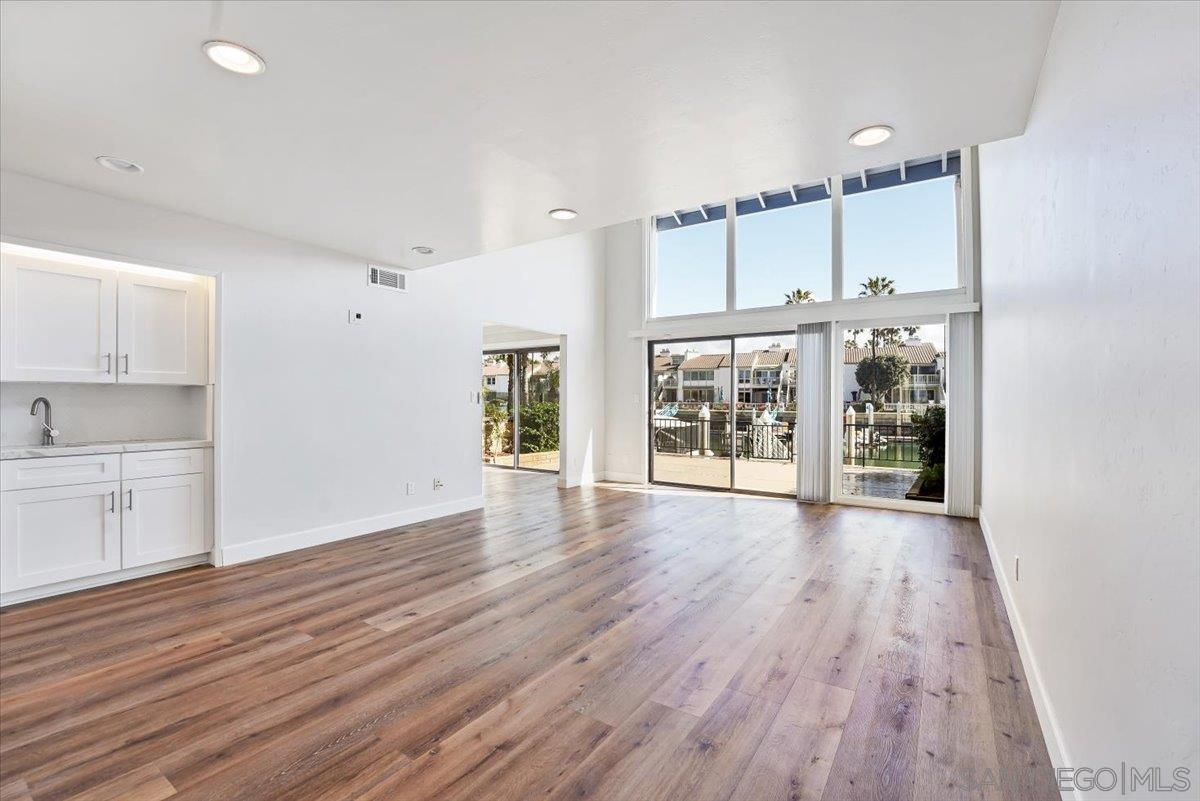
(906, 233)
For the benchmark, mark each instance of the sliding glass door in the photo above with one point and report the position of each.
(723, 413)
(766, 414)
(521, 393)
(690, 393)
(499, 381)
(893, 431)
(537, 410)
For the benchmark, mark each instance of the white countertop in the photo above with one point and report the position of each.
(85, 448)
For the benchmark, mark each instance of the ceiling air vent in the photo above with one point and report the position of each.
(386, 278)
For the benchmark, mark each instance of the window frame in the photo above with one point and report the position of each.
(839, 306)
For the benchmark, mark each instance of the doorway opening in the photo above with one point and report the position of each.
(521, 399)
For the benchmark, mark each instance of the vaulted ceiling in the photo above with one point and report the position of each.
(380, 126)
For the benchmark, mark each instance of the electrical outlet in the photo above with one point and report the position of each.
(410, 488)
(1017, 568)
(437, 484)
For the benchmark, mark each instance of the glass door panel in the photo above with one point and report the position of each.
(538, 410)
(690, 432)
(765, 414)
(498, 383)
(894, 413)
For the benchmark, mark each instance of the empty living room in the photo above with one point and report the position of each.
(628, 401)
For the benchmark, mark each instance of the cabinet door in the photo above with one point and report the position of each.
(59, 321)
(163, 518)
(162, 330)
(59, 533)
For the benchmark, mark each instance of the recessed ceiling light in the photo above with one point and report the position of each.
(424, 250)
(871, 135)
(563, 214)
(234, 57)
(118, 165)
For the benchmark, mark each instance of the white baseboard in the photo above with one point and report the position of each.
(624, 478)
(75, 585)
(283, 543)
(1041, 700)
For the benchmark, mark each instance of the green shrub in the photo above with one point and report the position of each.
(539, 427)
(929, 430)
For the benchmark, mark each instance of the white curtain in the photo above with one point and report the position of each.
(814, 378)
(962, 399)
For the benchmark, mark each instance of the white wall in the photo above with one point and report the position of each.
(101, 412)
(1091, 371)
(321, 423)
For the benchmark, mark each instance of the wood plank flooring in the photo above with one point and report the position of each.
(606, 643)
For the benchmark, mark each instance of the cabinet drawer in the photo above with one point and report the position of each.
(152, 464)
(59, 471)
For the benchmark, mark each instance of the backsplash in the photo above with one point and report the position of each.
(102, 412)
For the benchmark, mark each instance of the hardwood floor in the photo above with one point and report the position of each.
(591, 643)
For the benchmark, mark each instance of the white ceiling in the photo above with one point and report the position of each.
(380, 126)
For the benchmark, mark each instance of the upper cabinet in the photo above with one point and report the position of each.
(59, 321)
(162, 330)
(67, 322)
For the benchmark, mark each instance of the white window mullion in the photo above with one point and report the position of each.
(731, 255)
(835, 203)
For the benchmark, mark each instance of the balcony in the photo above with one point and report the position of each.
(879, 461)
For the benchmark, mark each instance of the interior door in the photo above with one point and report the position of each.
(59, 321)
(162, 330)
(163, 519)
(59, 533)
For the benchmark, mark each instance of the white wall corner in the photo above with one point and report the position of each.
(1047, 719)
(624, 478)
(283, 543)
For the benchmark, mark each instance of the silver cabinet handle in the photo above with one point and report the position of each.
(125, 356)
(131, 500)
(108, 364)
(112, 501)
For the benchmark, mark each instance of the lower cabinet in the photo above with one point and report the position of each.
(162, 518)
(51, 534)
(56, 534)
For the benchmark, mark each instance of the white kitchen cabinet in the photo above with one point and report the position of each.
(162, 518)
(58, 321)
(151, 464)
(59, 471)
(56, 534)
(162, 330)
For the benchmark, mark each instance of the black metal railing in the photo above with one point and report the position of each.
(880, 445)
(691, 437)
(769, 441)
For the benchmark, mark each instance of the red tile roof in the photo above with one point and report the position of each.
(923, 353)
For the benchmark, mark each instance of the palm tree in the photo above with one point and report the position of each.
(799, 296)
(876, 287)
(879, 285)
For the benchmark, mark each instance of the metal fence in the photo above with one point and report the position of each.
(880, 445)
(769, 441)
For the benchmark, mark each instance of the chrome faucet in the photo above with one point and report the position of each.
(48, 430)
